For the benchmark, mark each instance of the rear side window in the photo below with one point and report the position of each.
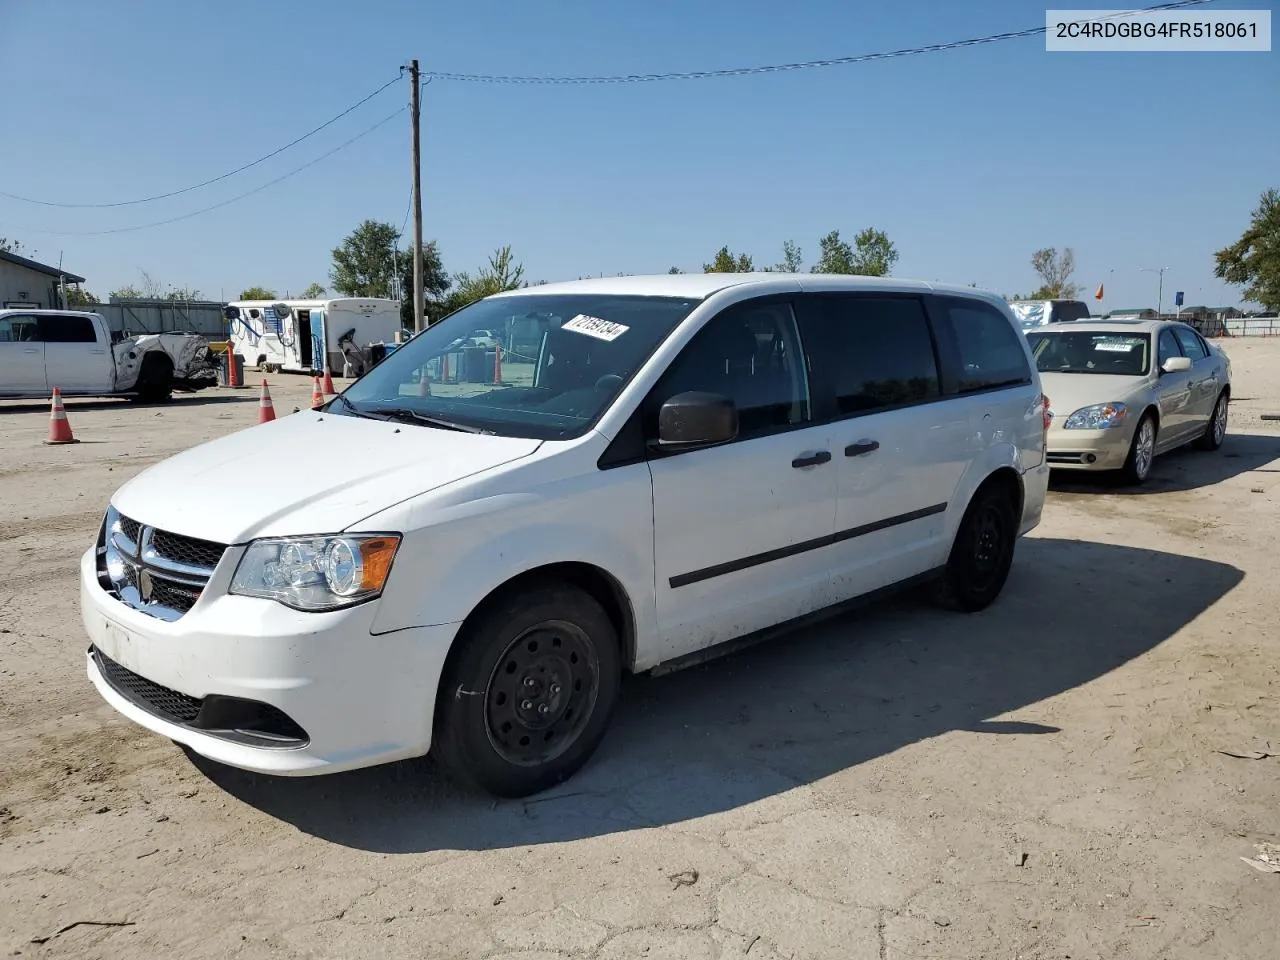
(67, 330)
(991, 351)
(878, 351)
(1191, 344)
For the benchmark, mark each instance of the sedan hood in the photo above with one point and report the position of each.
(305, 473)
(1068, 392)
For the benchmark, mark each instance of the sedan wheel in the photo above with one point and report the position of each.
(1141, 452)
(1215, 431)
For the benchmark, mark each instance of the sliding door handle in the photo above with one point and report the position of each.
(861, 447)
(811, 459)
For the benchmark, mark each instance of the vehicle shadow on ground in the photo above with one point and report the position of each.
(1183, 469)
(790, 711)
(72, 404)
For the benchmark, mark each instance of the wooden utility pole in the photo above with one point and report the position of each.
(417, 201)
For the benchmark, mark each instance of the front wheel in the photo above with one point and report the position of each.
(982, 553)
(530, 691)
(1142, 450)
(1215, 431)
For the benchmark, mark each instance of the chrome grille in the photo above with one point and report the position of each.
(155, 571)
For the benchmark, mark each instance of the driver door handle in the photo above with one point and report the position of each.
(861, 447)
(811, 459)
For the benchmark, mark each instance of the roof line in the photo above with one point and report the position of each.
(39, 267)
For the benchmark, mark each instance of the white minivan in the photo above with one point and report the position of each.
(674, 463)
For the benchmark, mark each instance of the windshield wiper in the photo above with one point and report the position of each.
(354, 409)
(405, 415)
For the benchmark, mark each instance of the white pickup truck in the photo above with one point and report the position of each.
(76, 352)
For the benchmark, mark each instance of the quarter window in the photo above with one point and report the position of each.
(751, 354)
(879, 351)
(992, 353)
(1191, 344)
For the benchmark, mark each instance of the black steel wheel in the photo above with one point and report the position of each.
(529, 690)
(982, 552)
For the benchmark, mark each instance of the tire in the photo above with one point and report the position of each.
(555, 646)
(1142, 452)
(982, 552)
(155, 380)
(1215, 431)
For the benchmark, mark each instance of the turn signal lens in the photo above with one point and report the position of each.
(377, 556)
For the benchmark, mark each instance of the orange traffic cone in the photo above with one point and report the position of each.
(424, 387)
(497, 365)
(266, 411)
(59, 426)
(317, 396)
(328, 382)
(233, 375)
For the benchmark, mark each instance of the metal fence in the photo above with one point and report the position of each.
(1237, 327)
(134, 317)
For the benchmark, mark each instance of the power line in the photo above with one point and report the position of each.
(779, 67)
(205, 183)
(242, 196)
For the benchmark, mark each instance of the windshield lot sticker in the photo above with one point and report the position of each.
(595, 327)
(1114, 346)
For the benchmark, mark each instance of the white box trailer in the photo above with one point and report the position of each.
(300, 336)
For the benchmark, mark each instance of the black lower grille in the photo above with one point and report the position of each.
(157, 700)
(231, 718)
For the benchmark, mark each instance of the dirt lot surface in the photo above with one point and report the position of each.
(1045, 779)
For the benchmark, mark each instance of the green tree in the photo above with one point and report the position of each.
(257, 293)
(834, 255)
(873, 253)
(182, 293)
(10, 246)
(1253, 261)
(502, 273)
(76, 297)
(792, 261)
(726, 262)
(127, 292)
(365, 265)
(435, 283)
(1054, 270)
(675, 270)
(314, 292)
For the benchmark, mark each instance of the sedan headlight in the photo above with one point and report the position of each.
(1100, 416)
(316, 573)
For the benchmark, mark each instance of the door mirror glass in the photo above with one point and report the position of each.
(1176, 365)
(696, 419)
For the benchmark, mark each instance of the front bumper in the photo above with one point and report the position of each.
(1089, 449)
(359, 699)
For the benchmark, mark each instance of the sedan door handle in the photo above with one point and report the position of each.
(861, 447)
(811, 459)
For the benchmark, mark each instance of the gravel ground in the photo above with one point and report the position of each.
(1043, 780)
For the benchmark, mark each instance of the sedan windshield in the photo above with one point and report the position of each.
(538, 366)
(1081, 351)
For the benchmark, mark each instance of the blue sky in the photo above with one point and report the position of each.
(969, 159)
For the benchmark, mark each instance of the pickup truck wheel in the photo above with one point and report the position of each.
(529, 691)
(155, 380)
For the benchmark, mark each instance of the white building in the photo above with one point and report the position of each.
(28, 284)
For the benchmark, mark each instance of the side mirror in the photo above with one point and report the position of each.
(696, 419)
(1176, 365)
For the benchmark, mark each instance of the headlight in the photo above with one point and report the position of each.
(316, 573)
(1100, 416)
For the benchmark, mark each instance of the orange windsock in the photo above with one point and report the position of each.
(1098, 295)
(59, 426)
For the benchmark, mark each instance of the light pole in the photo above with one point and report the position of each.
(1160, 289)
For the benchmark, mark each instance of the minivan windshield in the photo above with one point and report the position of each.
(1082, 351)
(532, 365)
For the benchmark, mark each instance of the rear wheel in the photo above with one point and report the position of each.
(1142, 451)
(1215, 431)
(982, 553)
(529, 692)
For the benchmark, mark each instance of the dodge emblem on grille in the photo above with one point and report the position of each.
(144, 585)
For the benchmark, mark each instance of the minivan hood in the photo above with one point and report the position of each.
(306, 473)
(1068, 392)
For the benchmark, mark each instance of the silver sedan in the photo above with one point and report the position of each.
(1122, 392)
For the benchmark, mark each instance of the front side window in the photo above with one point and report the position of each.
(67, 330)
(1126, 355)
(19, 329)
(991, 352)
(1168, 347)
(878, 349)
(751, 354)
(1191, 344)
(557, 363)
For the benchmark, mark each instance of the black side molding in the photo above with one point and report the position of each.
(781, 553)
